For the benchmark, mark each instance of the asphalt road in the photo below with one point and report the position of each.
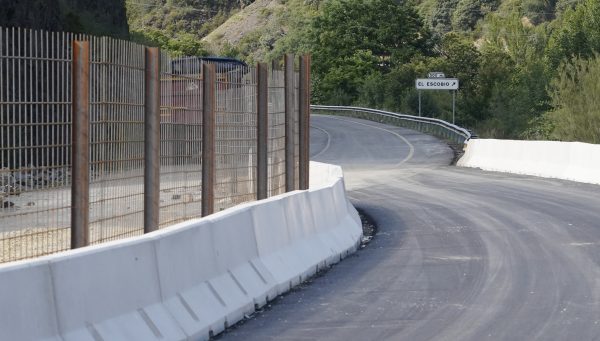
(460, 254)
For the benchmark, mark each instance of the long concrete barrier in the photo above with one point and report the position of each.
(573, 161)
(185, 282)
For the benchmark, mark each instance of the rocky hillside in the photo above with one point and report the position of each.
(168, 19)
(255, 31)
(178, 25)
(262, 30)
(258, 22)
(181, 16)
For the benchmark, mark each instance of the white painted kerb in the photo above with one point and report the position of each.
(187, 281)
(574, 161)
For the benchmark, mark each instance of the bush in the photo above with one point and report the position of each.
(574, 96)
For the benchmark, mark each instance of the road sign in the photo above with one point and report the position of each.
(436, 75)
(437, 84)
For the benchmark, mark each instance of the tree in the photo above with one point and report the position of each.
(574, 96)
(441, 18)
(539, 11)
(579, 35)
(461, 59)
(353, 39)
(466, 15)
(507, 32)
(184, 45)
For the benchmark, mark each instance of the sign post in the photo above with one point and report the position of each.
(437, 81)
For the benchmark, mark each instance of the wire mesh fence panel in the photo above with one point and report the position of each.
(276, 133)
(34, 143)
(36, 139)
(181, 139)
(116, 139)
(35, 116)
(235, 135)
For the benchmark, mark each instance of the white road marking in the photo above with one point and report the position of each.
(328, 141)
(410, 146)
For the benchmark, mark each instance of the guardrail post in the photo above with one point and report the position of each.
(152, 139)
(262, 128)
(289, 123)
(208, 139)
(80, 145)
(304, 119)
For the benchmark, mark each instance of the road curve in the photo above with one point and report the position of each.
(461, 254)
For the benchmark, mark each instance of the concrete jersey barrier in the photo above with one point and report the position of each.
(573, 161)
(185, 282)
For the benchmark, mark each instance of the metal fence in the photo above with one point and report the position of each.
(276, 109)
(108, 139)
(431, 126)
(116, 139)
(181, 141)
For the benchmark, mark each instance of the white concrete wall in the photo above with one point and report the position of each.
(185, 282)
(574, 161)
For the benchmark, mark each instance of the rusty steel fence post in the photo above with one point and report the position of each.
(304, 121)
(289, 123)
(208, 138)
(80, 145)
(152, 139)
(262, 129)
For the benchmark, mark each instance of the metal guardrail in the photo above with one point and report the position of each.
(431, 126)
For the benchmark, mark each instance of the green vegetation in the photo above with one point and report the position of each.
(265, 30)
(185, 44)
(368, 61)
(578, 36)
(178, 25)
(527, 67)
(347, 51)
(575, 100)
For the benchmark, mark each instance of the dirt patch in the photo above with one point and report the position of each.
(369, 228)
(458, 150)
(33, 242)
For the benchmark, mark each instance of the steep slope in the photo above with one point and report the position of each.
(262, 30)
(256, 30)
(259, 21)
(176, 17)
